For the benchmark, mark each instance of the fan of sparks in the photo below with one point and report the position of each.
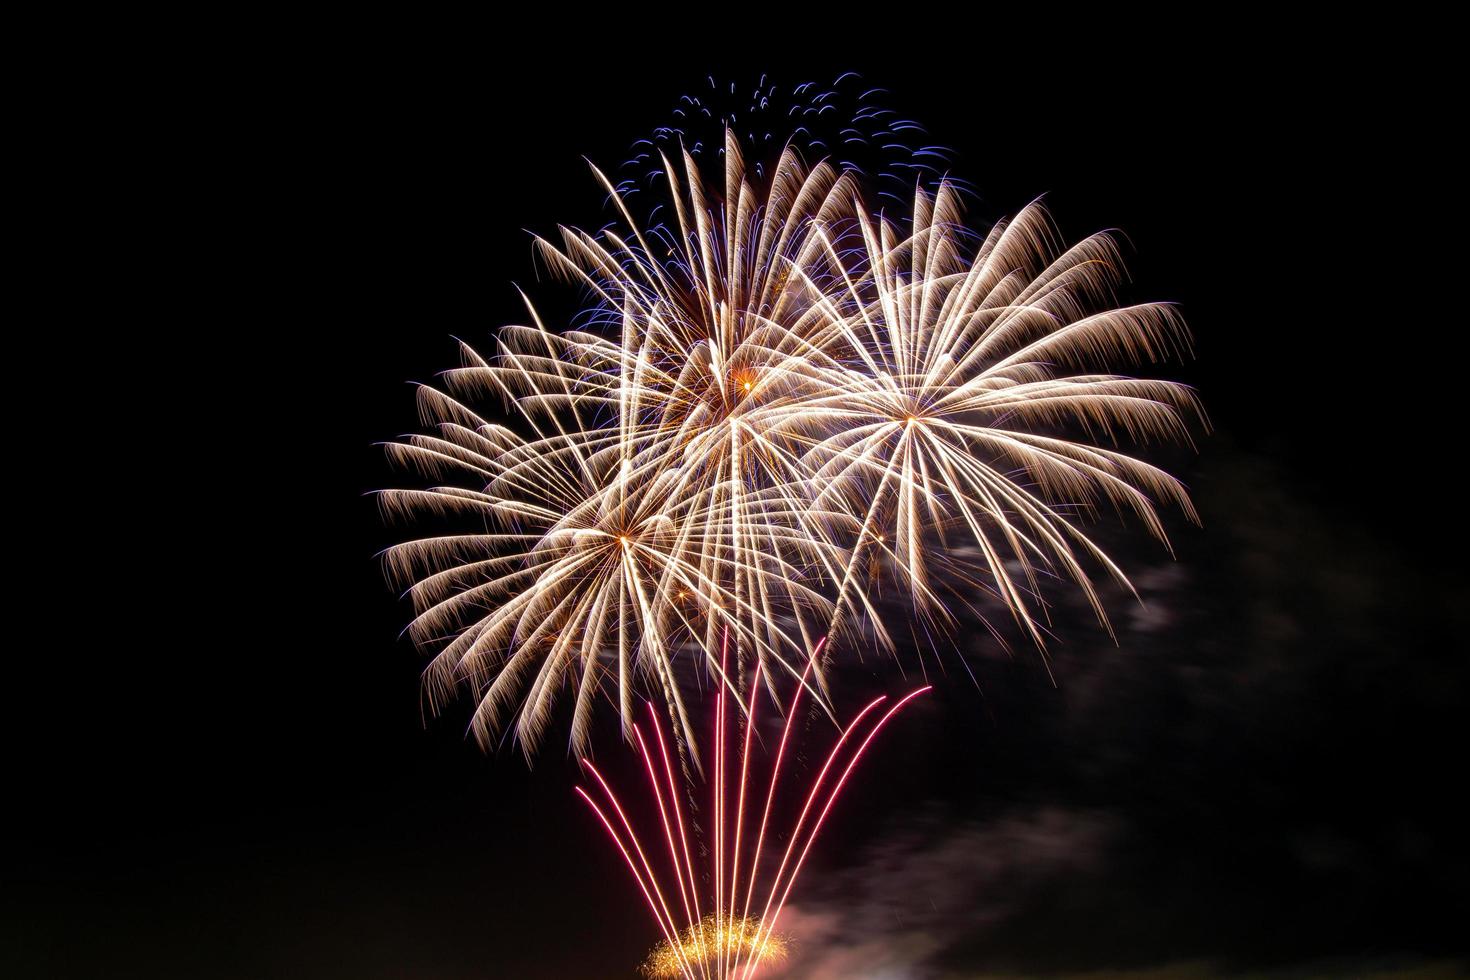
(773, 397)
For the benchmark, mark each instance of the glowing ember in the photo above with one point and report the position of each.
(714, 941)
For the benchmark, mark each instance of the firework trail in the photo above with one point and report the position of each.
(730, 941)
(776, 398)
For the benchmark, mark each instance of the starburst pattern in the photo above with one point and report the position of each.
(949, 426)
(777, 394)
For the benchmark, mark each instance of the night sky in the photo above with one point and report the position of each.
(225, 765)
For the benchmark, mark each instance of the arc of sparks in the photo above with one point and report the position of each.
(727, 943)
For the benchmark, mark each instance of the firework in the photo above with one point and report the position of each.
(729, 942)
(710, 942)
(793, 395)
(847, 121)
(774, 400)
(947, 426)
(661, 496)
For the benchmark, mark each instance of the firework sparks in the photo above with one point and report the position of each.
(729, 942)
(662, 495)
(847, 120)
(711, 942)
(775, 397)
(797, 394)
(945, 428)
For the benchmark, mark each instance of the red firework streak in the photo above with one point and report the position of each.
(732, 956)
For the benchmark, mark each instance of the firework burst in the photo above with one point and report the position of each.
(711, 942)
(661, 495)
(785, 394)
(847, 121)
(971, 361)
(775, 399)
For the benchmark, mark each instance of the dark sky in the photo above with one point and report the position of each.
(225, 767)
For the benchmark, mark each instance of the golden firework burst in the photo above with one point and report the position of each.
(710, 942)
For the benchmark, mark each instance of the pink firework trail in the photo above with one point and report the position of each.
(728, 942)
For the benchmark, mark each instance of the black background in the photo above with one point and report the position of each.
(225, 770)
